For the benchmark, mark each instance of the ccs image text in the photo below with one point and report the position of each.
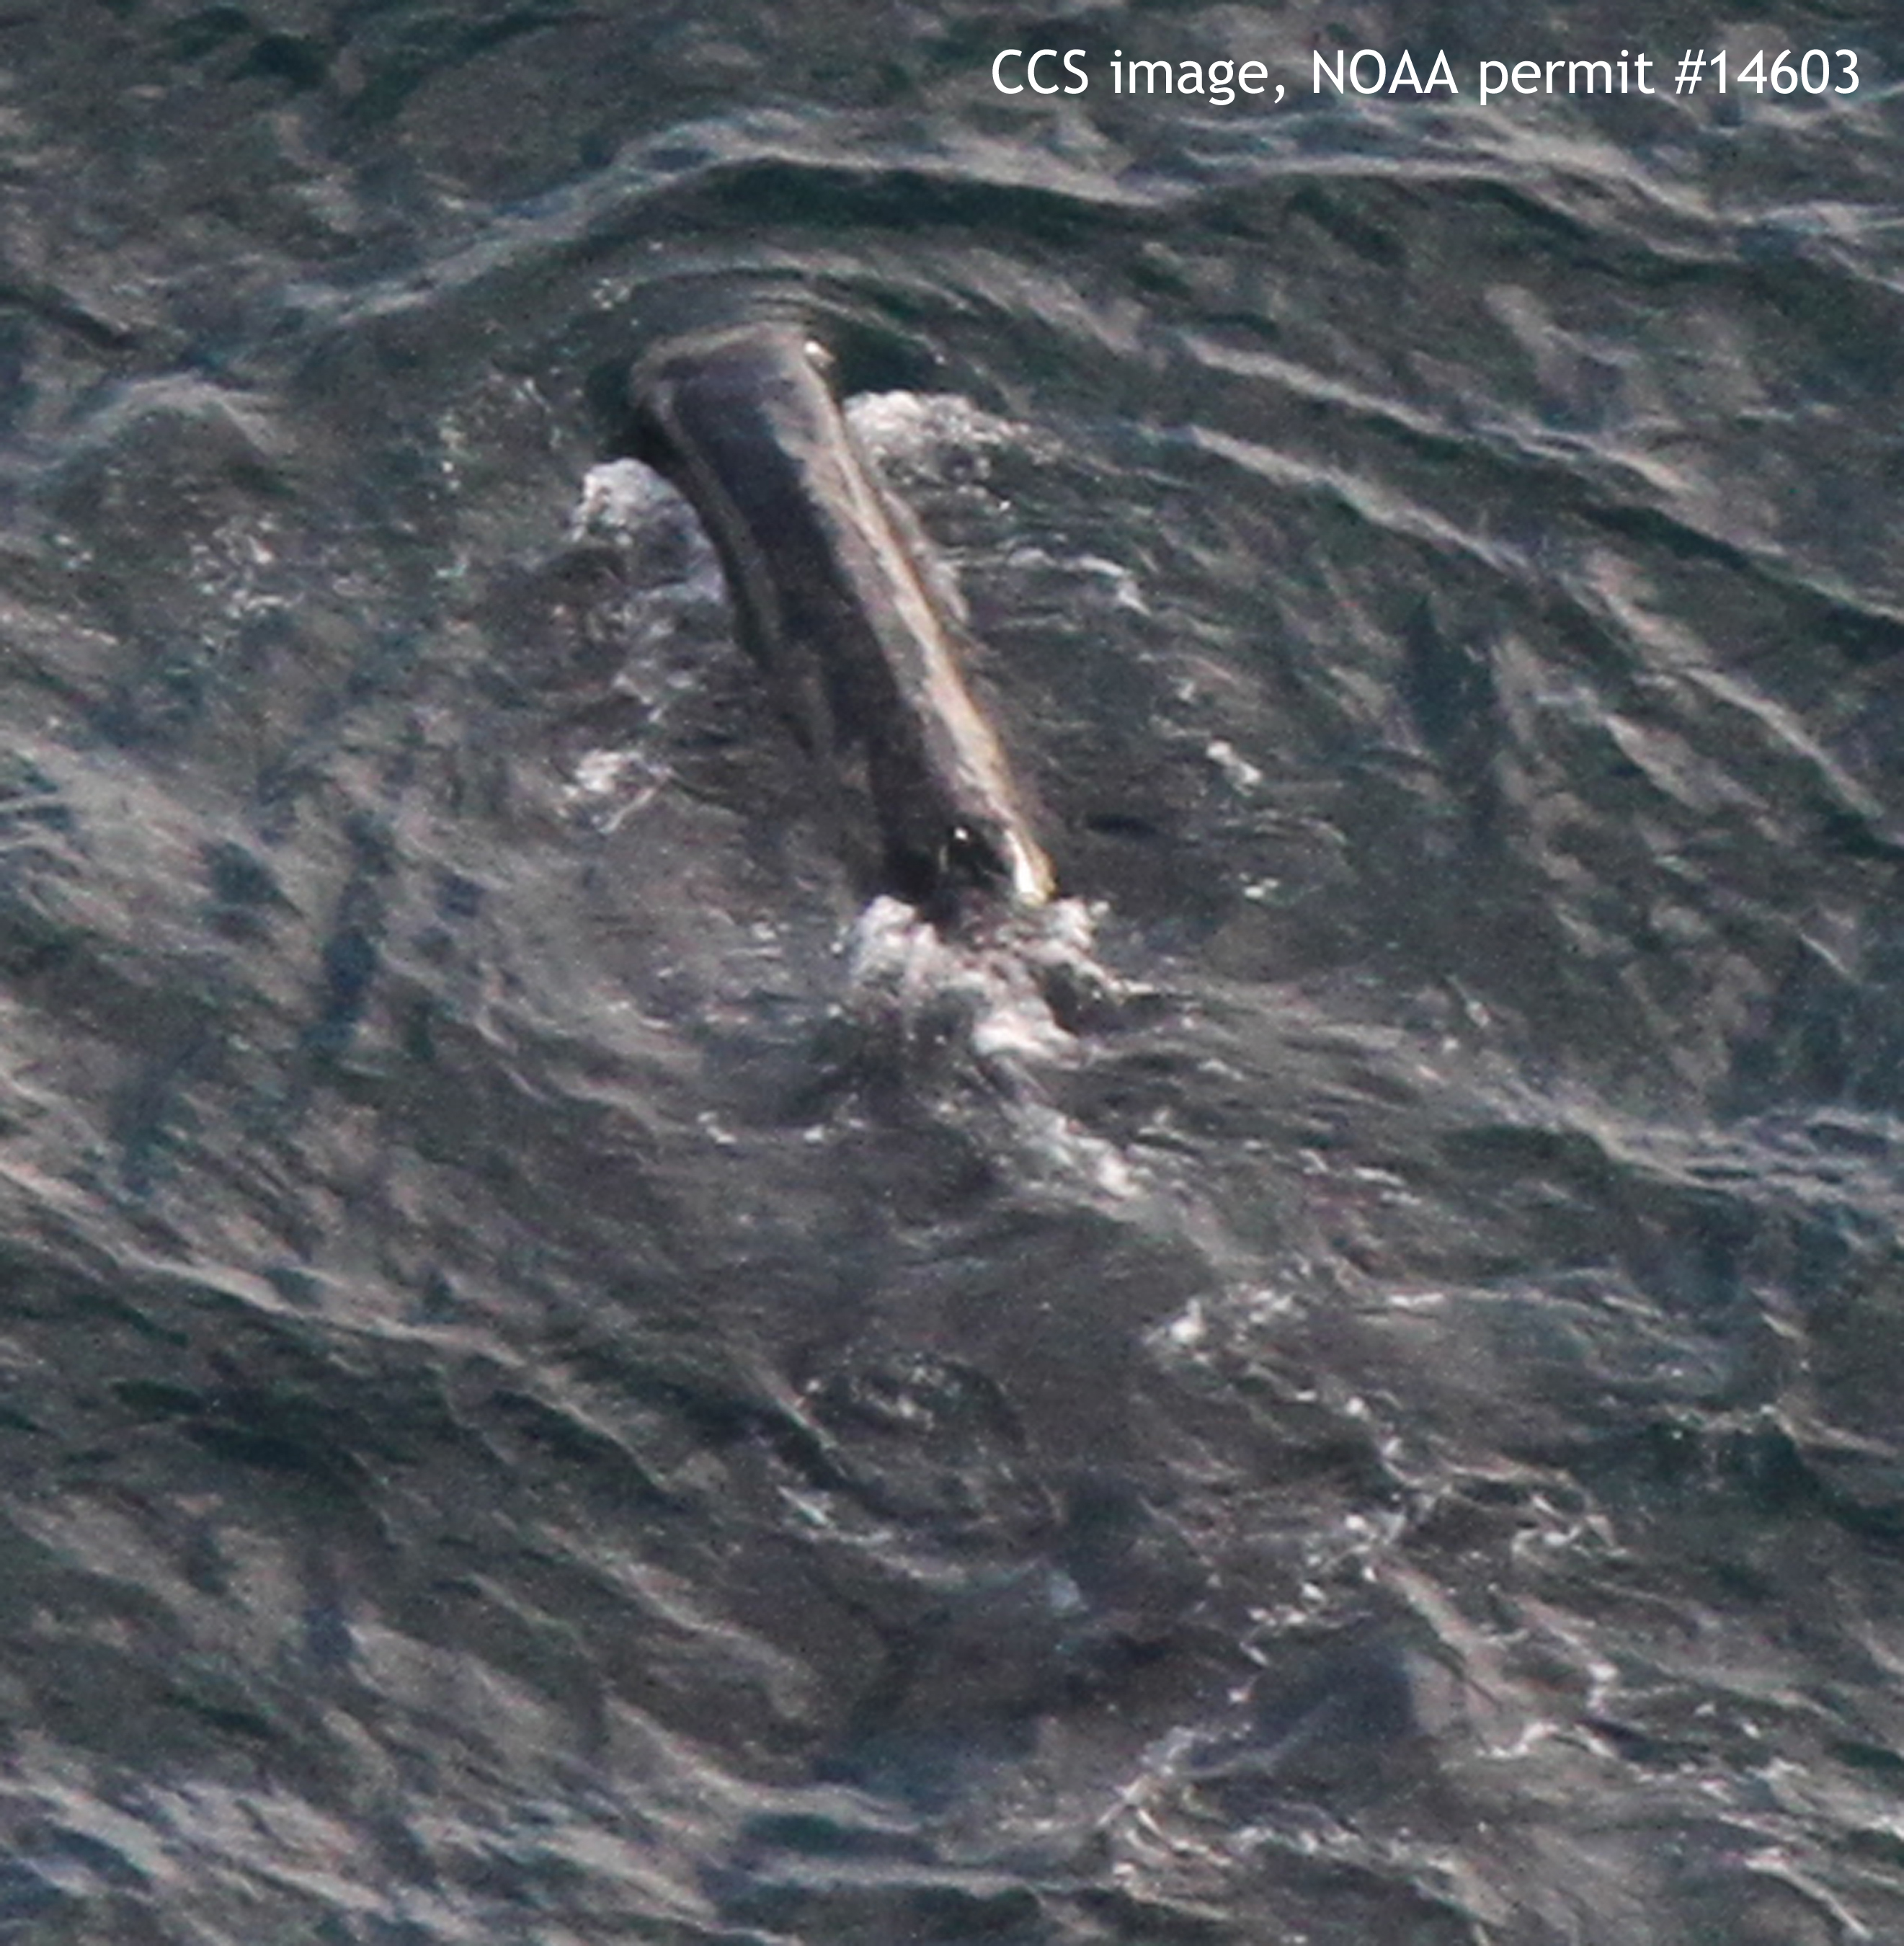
(1370, 71)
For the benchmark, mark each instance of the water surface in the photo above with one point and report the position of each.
(559, 1382)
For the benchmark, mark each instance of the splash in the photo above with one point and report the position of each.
(983, 1018)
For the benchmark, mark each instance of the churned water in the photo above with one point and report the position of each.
(560, 1381)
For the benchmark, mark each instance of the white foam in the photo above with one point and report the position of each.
(619, 498)
(977, 1008)
(917, 428)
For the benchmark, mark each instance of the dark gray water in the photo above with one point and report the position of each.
(558, 1383)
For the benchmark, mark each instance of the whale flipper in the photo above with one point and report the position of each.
(833, 601)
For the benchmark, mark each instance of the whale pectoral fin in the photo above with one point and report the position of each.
(845, 608)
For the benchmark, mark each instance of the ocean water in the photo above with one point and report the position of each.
(562, 1380)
